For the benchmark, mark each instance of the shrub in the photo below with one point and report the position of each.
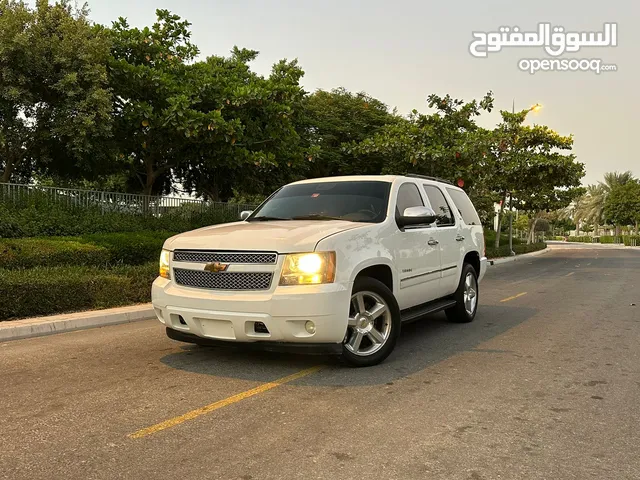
(490, 238)
(584, 239)
(132, 248)
(43, 220)
(33, 252)
(503, 251)
(630, 239)
(609, 239)
(51, 290)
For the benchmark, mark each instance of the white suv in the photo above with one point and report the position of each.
(330, 265)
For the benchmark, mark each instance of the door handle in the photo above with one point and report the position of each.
(459, 238)
(432, 242)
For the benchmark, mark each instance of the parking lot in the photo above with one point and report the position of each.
(543, 384)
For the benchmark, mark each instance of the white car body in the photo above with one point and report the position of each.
(415, 268)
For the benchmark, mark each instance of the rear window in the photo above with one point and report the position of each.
(464, 206)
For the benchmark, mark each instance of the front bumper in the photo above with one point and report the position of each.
(228, 316)
(283, 347)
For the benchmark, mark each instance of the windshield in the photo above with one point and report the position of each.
(357, 201)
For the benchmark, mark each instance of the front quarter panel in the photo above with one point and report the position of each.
(358, 249)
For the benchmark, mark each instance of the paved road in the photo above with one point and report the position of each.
(543, 385)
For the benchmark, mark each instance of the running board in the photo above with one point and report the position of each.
(415, 313)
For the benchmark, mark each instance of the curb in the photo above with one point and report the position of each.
(68, 322)
(499, 261)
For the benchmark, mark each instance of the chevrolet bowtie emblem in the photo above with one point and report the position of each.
(216, 267)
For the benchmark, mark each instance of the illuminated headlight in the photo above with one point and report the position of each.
(308, 268)
(165, 256)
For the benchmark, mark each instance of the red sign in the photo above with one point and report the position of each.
(460, 183)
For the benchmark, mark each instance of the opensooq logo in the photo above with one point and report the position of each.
(554, 40)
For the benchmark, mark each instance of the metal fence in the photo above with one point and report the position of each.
(105, 202)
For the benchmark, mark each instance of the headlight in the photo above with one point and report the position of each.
(165, 255)
(308, 268)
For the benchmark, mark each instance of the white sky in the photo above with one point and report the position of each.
(400, 51)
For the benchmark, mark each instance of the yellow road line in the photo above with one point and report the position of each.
(172, 422)
(569, 274)
(513, 298)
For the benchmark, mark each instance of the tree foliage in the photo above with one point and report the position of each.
(55, 103)
(622, 206)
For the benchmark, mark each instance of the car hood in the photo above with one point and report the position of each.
(288, 236)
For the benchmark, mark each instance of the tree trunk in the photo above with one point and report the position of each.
(532, 231)
(636, 227)
(8, 170)
(500, 215)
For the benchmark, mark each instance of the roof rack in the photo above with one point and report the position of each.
(425, 177)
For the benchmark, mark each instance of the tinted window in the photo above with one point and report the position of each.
(408, 196)
(440, 206)
(464, 206)
(354, 201)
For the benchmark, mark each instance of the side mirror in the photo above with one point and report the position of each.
(244, 214)
(416, 216)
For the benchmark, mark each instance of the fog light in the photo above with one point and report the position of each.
(310, 327)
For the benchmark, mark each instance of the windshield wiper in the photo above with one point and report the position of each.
(316, 216)
(265, 219)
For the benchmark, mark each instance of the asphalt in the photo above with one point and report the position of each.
(544, 384)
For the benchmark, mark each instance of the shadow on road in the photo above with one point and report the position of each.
(421, 344)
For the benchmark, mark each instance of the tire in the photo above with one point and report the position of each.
(466, 307)
(372, 336)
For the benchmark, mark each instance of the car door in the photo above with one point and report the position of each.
(416, 254)
(449, 235)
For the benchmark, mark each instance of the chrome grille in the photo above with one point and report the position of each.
(225, 257)
(223, 281)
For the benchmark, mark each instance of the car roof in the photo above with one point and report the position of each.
(372, 178)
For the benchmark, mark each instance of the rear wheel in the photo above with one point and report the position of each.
(374, 323)
(466, 297)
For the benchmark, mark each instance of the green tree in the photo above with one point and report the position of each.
(264, 149)
(55, 104)
(532, 168)
(154, 99)
(331, 121)
(622, 206)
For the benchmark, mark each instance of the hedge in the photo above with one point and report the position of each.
(583, 239)
(133, 248)
(628, 240)
(503, 251)
(42, 220)
(51, 290)
(490, 238)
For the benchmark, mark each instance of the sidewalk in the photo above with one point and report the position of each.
(68, 322)
(515, 258)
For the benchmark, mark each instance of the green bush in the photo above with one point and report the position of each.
(490, 238)
(45, 220)
(584, 239)
(503, 251)
(628, 240)
(133, 248)
(51, 290)
(48, 252)
(610, 239)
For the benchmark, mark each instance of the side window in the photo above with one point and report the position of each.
(465, 207)
(408, 196)
(440, 206)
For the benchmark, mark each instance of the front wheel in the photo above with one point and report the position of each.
(466, 297)
(374, 323)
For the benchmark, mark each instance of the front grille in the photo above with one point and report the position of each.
(224, 257)
(223, 281)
